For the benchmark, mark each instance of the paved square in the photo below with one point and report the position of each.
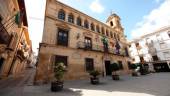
(157, 84)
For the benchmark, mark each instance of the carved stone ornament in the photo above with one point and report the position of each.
(76, 55)
(88, 34)
(63, 25)
(2, 48)
(4, 55)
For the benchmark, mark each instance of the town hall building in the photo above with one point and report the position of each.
(81, 42)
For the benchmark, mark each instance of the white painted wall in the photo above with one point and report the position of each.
(161, 42)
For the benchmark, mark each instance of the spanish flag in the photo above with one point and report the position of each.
(19, 18)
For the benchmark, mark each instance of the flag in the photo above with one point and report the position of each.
(19, 18)
(117, 45)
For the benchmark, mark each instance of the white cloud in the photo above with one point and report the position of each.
(156, 19)
(95, 6)
(157, 1)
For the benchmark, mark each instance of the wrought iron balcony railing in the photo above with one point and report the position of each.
(99, 48)
(4, 36)
(20, 54)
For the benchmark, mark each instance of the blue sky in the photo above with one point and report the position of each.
(138, 17)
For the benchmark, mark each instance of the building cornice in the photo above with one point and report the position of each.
(83, 14)
(151, 34)
(80, 27)
(157, 31)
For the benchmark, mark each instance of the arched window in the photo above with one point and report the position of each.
(71, 18)
(111, 23)
(97, 29)
(79, 21)
(86, 24)
(107, 33)
(102, 30)
(92, 27)
(61, 14)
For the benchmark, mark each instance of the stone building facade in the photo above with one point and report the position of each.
(13, 26)
(81, 42)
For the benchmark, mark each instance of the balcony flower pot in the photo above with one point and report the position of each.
(143, 70)
(115, 67)
(94, 79)
(57, 84)
(115, 77)
(135, 74)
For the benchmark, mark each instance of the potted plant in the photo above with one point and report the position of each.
(115, 67)
(143, 70)
(134, 67)
(94, 76)
(59, 70)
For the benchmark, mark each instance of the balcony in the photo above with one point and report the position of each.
(4, 36)
(84, 46)
(20, 54)
(99, 48)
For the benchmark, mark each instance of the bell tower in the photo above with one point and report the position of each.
(114, 22)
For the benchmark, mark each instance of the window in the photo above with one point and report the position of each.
(89, 64)
(107, 34)
(86, 24)
(120, 65)
(88, 43)
(129, 65)
(79, 21)
(102, 30)
(169, 33)
(137, 44)
(118, 37)
(1, 62)
(4, 36)
(126, 51)
(59, 59)
(71, 18)
(111, 34)
(61, 15)
(0, 18)
(92, 27)
(111, 23)
(163, 45)
(166, 55)
(159, 38)
(155, 58)
(97, 29)
(62, 37)
(141, 59)
(115, 36)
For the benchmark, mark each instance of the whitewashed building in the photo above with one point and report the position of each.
(153, 49)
